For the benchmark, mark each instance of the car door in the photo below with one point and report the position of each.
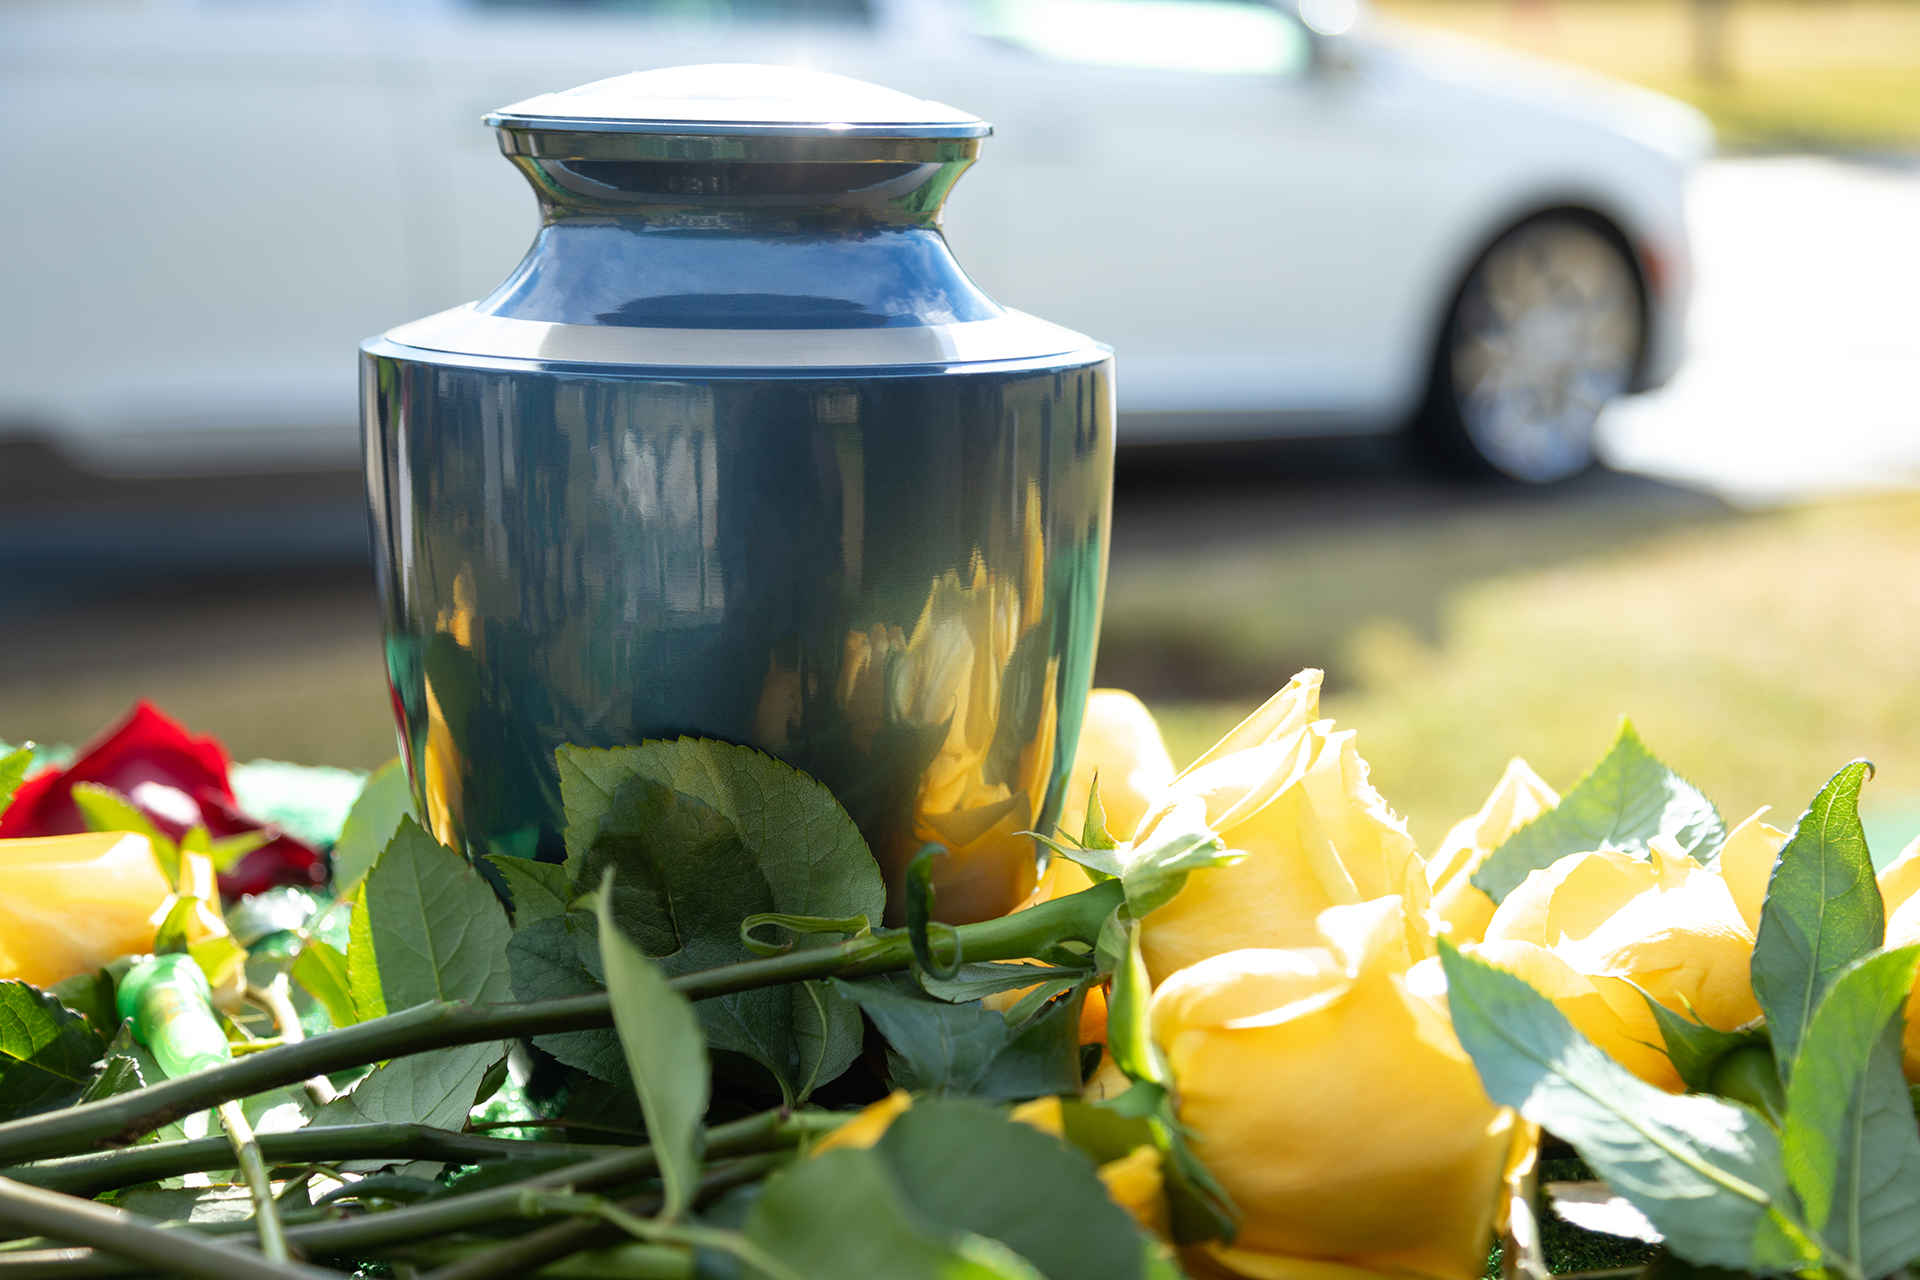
(200, 230)
(1185, 180)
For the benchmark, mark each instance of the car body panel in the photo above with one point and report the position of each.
(219, 201)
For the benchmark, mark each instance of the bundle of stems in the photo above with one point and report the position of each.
(50, 1163)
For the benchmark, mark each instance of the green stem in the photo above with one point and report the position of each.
(655, 1231)
(126, 1117)
(253, 1168)
(626, 1262)
(177, 1251)
(376, 1232)
(523, 1254)
(91, 1174)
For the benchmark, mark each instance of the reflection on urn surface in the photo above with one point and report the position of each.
(892, 583)
(739, 451)
(970, 688)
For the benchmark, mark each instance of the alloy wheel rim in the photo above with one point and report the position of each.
(1547, 332)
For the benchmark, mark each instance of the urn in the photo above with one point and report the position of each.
(739, 451)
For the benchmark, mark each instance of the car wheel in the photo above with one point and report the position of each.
(1547, 329)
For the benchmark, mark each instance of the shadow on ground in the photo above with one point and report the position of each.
(1235, 566)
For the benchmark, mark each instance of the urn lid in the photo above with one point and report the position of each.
(733, 99)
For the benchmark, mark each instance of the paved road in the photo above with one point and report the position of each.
(1804, 348)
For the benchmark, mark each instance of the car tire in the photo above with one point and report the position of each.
(1548, 328)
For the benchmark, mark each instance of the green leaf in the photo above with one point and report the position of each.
(977, 981)
(1627, 799)
(1822, 912)
(47, 1051)
(170, 936)
(1103, 864)
(691, 870)
(436, 929)
(685, 881)
(218, 956)
(1849, 1142)
(123, 1045)
(1129, 1037)
(1093, 832)
(104, 809)
(118, 1074)
(435, 1088)
(841, 1215)
(92, 996)
(1750, 1076)
(1198, 1206)
(1100, 1131)
(966, 1048)
(1694, 1047)
(540, 889)
(308, 802)
(322, 972)
(371, 824)
(813, 858)
(363, 967)
(226, 852)
(224, 1202)
(805, 846)
(666, 1055)
(1153, 873)
(1707, 1173)
(966, 1167)
(13, 771)
(558, 956)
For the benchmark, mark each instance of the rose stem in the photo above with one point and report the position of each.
(99, 1171)
(187, 1253)
(524, 1254)
(246, 1154)
(379, 1231)
(273, 998)
(126, 1117)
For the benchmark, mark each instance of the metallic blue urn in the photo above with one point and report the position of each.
(740, 452)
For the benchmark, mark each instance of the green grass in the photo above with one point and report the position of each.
(1757, 654)
(1820, 74)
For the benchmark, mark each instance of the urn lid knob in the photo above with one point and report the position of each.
(734, 99)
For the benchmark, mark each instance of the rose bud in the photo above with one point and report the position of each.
(1336, 1108)
(1293, 795)
(1463, 910)
(176, 782)
(1660, 924)
(69, 904)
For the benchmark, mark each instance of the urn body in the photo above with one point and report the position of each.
(738, 452)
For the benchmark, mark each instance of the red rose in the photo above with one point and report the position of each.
(176, 781)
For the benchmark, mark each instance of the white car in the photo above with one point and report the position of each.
(1285, 223)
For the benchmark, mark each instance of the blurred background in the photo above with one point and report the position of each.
(1522, 363)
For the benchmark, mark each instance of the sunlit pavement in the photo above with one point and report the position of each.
(1802, 375)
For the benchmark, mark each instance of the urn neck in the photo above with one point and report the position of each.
(636, 273)
(742, 183)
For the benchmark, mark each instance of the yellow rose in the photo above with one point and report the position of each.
(1120, 742)
(1293, 794)
(72, 903)
(1898, 886)
(1518, 798)
(1335, 1106)
(1663, 923)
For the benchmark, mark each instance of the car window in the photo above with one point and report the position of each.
(1224, 37)
(719, 11)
